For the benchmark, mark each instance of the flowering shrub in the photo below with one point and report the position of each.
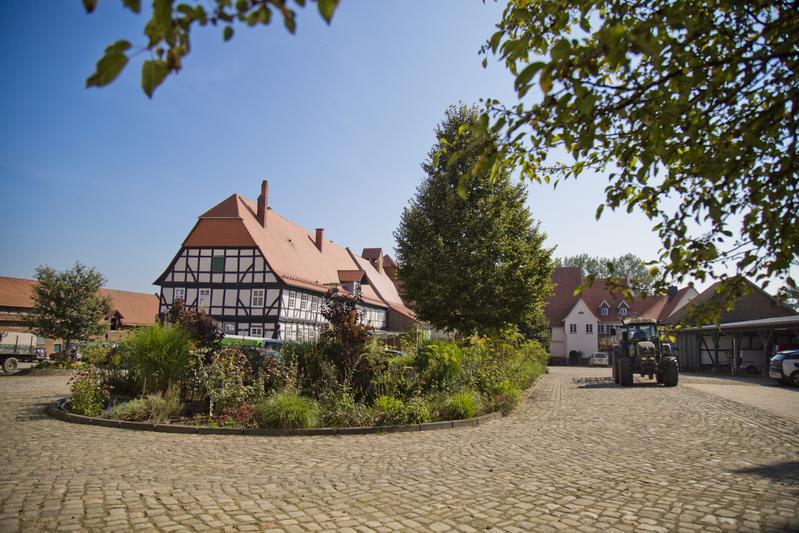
(241, 416)
(87, 393)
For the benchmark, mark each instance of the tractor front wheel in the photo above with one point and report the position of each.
(669, 372)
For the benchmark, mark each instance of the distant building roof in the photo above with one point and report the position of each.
(135, 308)
(568, 279)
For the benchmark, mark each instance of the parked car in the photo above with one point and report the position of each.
(784, 367)
(598, 359)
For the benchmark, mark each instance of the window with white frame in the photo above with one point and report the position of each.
(230, 328)
(257, 298)
(623, 310)
(256, 331)
(601, 328)
(589, 328)
(304, 301)
(572, 328)
(603, 310)
(292, 299)
(180, 294)
(204, 299)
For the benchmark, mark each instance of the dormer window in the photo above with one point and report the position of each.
(604, 309)
(623, 310)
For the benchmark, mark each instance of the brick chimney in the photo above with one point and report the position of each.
(672, 292)
(320, 238)
(263, 202)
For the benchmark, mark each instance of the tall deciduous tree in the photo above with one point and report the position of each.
(628, 267)
(168, 32)
(473, 264)
(67, 305)
(689, 100)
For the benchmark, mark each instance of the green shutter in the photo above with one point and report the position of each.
(218, 263)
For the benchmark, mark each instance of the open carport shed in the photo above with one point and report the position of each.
(747, 344)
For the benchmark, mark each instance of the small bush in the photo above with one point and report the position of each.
(164, 406)
(287, 410)
(87, 394)
(137, 410)
(505, 397)
(439, 363)
(392, 411)
(242, 416)
(417, 411)
(341, 410)
(464, 404)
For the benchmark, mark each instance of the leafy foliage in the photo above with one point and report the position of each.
(87, 393)
(789, 296)
(463, 404)
(287, 410)
(169, 27)
(625, 267)
(227, 378)
(203, 328)
(67, 305)
(136, 410)
(468, 251)
(392, 411)
(342, 410)
(690, 107)
(158, 356)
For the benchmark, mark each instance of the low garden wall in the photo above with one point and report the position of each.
(59, 410)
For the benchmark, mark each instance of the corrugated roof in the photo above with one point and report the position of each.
(135, 308)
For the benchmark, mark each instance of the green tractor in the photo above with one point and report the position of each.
(642, 352)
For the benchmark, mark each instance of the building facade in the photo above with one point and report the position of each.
(129, 310)
(589, 322)
(259, 274)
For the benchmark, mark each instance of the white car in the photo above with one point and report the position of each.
(784, 367)
(598, 359)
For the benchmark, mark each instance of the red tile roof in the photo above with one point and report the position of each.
(568, 279)
(291, 250)
(135, 308)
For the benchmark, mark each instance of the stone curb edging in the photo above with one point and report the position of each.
(58, 411)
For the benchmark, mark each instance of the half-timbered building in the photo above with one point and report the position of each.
(259, 274)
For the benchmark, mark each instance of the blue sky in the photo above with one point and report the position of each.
(337, 118)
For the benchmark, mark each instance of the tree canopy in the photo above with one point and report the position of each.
(688, 107)
(169, 27)
(627, 267)
(67, 305)
(476, 264)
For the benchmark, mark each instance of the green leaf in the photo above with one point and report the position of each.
(326, 9)
(133, 5)
(546, 80)
(228, 33)
(110, 65)
(90, 5)
(153, 73)
(599, 211)
(290, 22)
(527, 73)
(162, 15)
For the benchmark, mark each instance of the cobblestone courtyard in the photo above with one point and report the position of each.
(580, 455)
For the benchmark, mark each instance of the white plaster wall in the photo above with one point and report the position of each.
(557, 346)
(581, 341)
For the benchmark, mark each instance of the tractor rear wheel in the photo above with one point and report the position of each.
(625, 371)
(669, 371)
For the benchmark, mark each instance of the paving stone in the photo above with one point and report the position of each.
(580, 454)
